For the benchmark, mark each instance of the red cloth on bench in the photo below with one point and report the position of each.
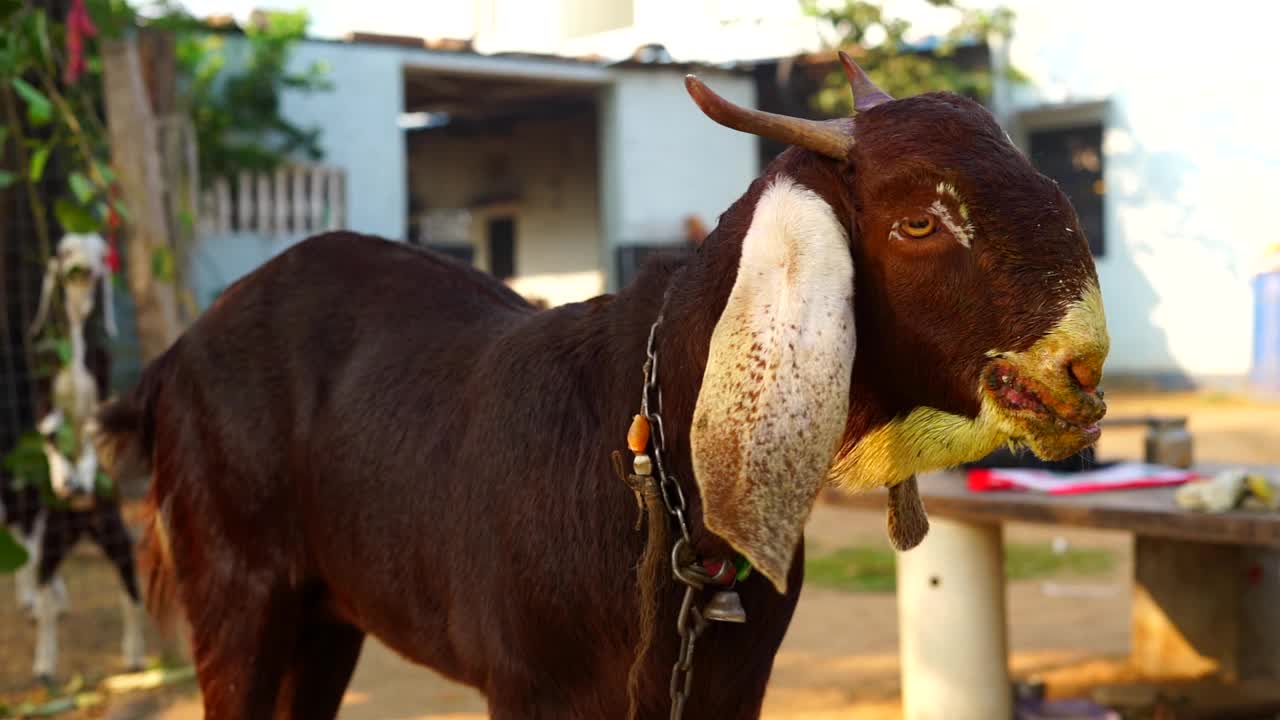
(1119, 476)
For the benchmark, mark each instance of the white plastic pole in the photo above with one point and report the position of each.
(951, 619)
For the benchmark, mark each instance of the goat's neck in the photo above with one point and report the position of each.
(77, 346)
(681, 345)
(698, 295)
(75, 394)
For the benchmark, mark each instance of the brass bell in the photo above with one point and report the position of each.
(725, 606)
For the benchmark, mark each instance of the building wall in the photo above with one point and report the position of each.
(360, 132)
(220, 260)
(550, 166)
(663, 160)
(1191, 162)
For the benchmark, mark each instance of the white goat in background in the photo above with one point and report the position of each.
(69, 431)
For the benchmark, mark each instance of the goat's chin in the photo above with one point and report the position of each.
(1060, 444)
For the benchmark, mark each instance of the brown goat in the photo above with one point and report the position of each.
(361, 437)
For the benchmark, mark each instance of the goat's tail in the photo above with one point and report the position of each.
(126, 446)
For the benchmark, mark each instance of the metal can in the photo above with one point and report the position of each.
(1168, 442)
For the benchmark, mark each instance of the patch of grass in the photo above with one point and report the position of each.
(853, 569)
(873, 569)
(1025, 562)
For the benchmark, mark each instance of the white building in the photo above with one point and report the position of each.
(548, 171)
(1167, 148)
(1189, 158)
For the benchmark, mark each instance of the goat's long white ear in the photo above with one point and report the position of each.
(108, 303)
(46, 295)
(775, 394)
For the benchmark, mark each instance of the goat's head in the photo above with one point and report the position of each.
(80, 263)
(978, 318)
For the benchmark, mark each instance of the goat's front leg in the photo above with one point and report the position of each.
(25, 589)
(26, 576)
(46, 612)
(132, 644)
(25, 584)
(24, 579)
(61, 471)
(109, 532)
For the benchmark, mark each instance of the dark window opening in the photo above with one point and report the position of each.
(1073, 157)
(502, 247)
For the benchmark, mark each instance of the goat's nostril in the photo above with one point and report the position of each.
(1086, 374)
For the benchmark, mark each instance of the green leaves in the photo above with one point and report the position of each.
(38, 32)
(162, 264)
(112, 17)
(103, 486)
(7, 178)
(81, 187)
(121, 209)
(237, 112)
(39, 109)
(74, 218)
(8, 8)
(27, 464)
(104, 171)
(12, 554)
(38, 160)
(892, 61)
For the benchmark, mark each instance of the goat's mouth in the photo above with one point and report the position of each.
(1054, 422)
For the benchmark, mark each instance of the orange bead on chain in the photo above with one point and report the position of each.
(638, 434)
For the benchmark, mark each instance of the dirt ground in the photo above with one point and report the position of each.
(839, 659)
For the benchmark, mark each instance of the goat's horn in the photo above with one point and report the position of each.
(832, 138)
(866, 94)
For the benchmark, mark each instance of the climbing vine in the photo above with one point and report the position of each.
(237, 115)
(51, 88)
(50, 95)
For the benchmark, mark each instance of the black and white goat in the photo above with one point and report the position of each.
(67, 408)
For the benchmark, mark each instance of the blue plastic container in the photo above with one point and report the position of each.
(1265, 371)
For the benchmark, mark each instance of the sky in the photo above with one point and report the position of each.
(334, 18)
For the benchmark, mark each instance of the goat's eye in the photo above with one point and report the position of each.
(921, 226)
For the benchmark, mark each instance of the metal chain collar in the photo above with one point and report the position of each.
(690, 622)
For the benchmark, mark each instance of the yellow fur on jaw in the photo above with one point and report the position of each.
(930, 439)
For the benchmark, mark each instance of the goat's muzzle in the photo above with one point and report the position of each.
(1047, 397)
(1054, 419)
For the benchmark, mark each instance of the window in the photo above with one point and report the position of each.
(1073, 157)
(502, 247)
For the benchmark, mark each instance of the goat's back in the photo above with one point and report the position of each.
(335, 316)
(257, 420)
